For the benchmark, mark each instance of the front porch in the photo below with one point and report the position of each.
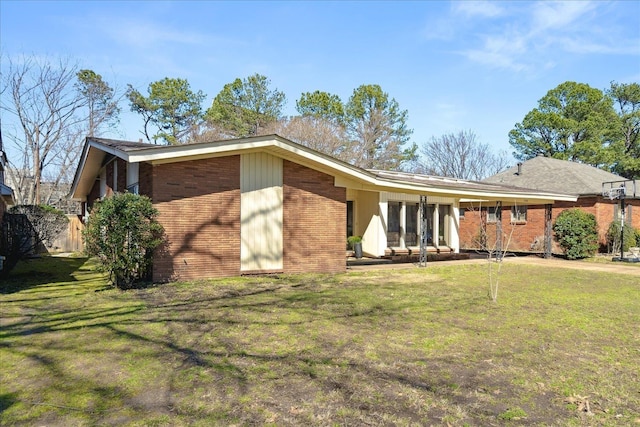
(407, 255)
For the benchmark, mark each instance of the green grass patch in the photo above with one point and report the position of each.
(513, 414)
(401, 347)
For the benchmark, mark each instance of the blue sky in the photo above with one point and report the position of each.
(462, 65)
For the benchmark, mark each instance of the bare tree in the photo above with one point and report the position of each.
(51, 106)
(494, 244)
(461, 156)
(320, 134)
(43, 102)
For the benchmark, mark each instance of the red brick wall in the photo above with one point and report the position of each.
(121, 184)
(93, 194)
(145, 179)
(199, 206)
(109, 174)
(314, 221)
(122, 175)
(524, 235)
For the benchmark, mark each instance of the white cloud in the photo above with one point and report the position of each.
(537, 36)
(501, 51)
(485, 9)
(145, 34)
(583, 45)
(558, 15)
(461, 16)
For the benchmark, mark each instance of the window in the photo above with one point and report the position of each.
(443, 225)
(462, 212)
(518, 214)
(404, 224)
(393, 224)
(133, 173)
(133, 188)
(349, 218)
(491, 214)
(430, 216)
(411, 232)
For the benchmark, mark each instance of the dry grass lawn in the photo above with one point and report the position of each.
(401, 347)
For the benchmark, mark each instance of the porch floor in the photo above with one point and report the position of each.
(406, 258)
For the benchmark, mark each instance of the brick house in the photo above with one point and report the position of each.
(528, 227)
(6, 193)
(266, 204)
(6, 200)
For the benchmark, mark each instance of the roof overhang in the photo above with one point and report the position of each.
(7, 194)
(92, 159)
(96, 154)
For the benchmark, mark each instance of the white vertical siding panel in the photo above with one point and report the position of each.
(261, 212)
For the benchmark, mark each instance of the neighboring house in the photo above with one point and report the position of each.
(6, 193)
(266, 204)
(527, 227)
(6, 200)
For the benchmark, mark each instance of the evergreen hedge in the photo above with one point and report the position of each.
(577, 233)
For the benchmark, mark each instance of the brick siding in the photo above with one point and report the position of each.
(145, 179)
(199, 206)
(109, 177)
(122, 175)
(314, 221)
(121, 181)
(93, 195)
(529, 236)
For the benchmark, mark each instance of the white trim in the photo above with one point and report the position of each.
(103, 182)
(344, 174)
(115, 177)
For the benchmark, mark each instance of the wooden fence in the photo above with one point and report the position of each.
(71, 240)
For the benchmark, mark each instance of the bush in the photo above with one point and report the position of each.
(577, 233)
(613, 237)
(122, 232)
(352, 240)
(26, 230)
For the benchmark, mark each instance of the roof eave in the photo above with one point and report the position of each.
(7, 194)
(89, 164)
(296, 152)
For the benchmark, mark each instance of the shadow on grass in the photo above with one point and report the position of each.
(39, 271)
(7, 400)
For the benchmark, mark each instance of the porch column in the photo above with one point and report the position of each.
(403, 224)
(547, 230)
(499, 253)
(435, 221)
(423, 231)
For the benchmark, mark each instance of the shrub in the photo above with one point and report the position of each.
(577, 233)
(122, 232)
(613, 237)
(26, 230)
(352, 240)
